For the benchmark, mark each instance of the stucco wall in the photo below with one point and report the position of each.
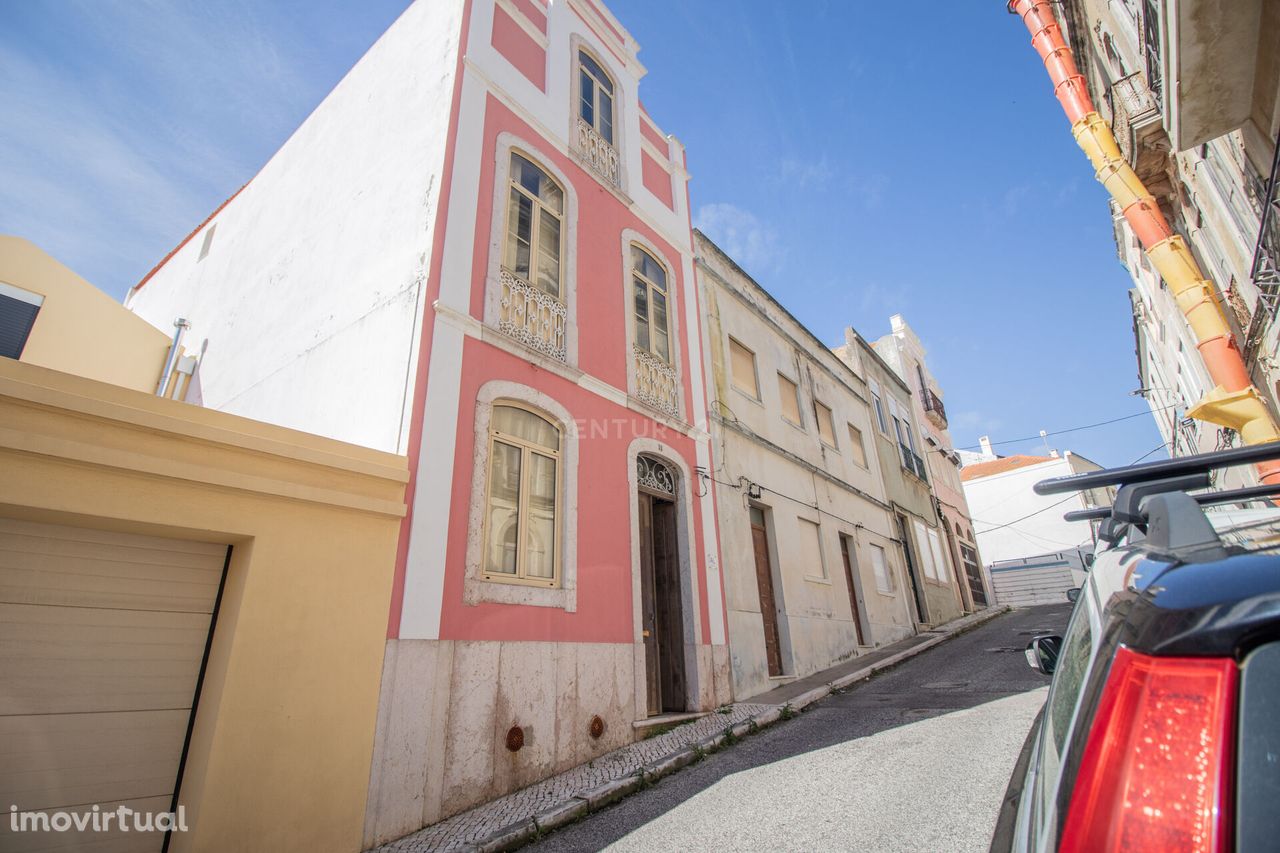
(803, 479)
(1005, 497)
(311, 291)
(284, 730)
(80, 329)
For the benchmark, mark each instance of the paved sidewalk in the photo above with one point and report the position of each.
(513, 820)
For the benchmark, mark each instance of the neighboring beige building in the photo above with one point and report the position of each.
(935, 591)
(52, 317)
(193, 605)
(812, 571)
(903, 351)
(1192, 91)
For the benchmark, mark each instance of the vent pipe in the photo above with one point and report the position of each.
(180, 327)
(1234, 402)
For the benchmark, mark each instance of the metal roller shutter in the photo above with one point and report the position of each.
(102, 636)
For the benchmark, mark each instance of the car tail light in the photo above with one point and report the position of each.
(1156, 770)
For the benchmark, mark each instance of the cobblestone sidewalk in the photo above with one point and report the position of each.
(561, 799)
(510, 821)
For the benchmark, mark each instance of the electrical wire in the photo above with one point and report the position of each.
(1160, 446)
(1072, 429)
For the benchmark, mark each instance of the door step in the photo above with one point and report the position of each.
(667, 719)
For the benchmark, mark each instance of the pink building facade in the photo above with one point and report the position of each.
(477, 252)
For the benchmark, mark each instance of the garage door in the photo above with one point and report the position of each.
(101, 641)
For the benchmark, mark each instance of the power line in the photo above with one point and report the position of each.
(1072, 429)
(1159, 446)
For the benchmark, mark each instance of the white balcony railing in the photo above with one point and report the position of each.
(600, 155)
(532, 316)
(656, 382)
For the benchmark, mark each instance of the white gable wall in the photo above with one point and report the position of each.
(310, 296)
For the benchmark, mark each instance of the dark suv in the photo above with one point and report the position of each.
(1161, 730)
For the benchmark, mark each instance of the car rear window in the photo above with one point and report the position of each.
(1258, 768)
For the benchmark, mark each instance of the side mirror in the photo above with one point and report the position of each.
(1042, 654)
(1073, 594)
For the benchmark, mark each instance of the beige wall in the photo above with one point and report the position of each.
(284, 731)
(80, 329)
(803, 481)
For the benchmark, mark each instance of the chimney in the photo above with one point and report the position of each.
(1053, 453)
(985, 442)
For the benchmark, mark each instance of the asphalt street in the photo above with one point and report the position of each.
(916, 759)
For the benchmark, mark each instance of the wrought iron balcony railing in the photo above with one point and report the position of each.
(1135, 116)
(912, 462)
(532, 316)
(1266, 263)
(600, 155)
(656, 382)
(933, 408)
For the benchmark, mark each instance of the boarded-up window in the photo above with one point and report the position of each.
(826, 429)
(743, 364)
(856, 447)
(924, 551)
(789, 394)
(811, 562)
(884, 580)
(935, 546)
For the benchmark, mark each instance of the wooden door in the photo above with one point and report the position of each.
(668, 606)
(853, 590)
(764, 581)
(648, 604)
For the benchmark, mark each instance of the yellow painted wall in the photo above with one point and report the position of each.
(80, 329)
(283, 739)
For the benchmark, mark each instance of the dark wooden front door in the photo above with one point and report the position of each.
(974, 573)
(764, 581)
(661, 607)
(853, 590)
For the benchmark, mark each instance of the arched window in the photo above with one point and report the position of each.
(649, 283)
(595, 96)
(534, 214)
(522, 499)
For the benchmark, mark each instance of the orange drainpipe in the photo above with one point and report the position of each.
(1234, 402)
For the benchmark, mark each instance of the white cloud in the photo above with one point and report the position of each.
(805, 174)
(751, 243)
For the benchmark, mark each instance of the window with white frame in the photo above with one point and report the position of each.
(532, 304)
(595, 120)
(880, 565)
(595, 96)
(521, 517)
(879, 407)
(924, 551)
(649, 285)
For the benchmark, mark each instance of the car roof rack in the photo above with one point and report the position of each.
(1152, 504)
(1228, 496)
(1161, 469)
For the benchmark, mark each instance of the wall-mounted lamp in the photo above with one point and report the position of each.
(753, 491)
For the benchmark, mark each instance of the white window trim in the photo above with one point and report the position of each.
(834, 443)
(506, 144)
(689, 566)
(476, 587)
(620, 142)
(21, 295)
(675, 297)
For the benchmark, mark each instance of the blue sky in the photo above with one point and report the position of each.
(860, 159)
